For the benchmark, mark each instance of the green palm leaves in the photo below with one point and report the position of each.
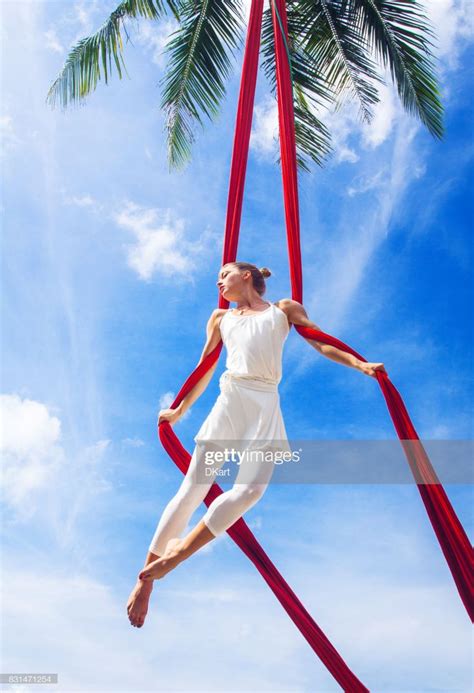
(400, 35)
(82, 69)
(199, 64)
(336, 48)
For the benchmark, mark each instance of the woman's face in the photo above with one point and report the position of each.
(231, 282)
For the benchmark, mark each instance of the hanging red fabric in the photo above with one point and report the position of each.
(239, 532)
(453, 540)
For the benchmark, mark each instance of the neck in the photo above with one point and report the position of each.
(249, 303)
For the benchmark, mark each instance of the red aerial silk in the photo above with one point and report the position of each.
(451, 535)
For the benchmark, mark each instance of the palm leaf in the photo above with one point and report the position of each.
(399, 32)
(330, 34)
(82, 69)
(310, 90)
(198, 66)
(313, 139)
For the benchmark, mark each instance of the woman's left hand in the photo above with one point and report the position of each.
(370, 368)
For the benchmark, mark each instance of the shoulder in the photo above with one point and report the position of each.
(218, 313)
(216, 316)
(288, 305)
(295, 313)
(214, 322)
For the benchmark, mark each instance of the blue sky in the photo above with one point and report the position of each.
(109, 270)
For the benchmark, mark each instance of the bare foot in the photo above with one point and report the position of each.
(158, 569)
(137, 605)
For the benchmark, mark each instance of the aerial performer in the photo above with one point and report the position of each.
(247, 409)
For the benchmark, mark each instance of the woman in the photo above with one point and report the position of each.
(248, 407)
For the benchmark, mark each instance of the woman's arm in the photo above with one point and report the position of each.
(297, 315)
(212, 340)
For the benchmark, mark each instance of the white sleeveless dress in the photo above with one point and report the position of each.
(248, 407)
(247, 415)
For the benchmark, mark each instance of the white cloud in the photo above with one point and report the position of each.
(8, 137)
(264, 135)
(28, 429)
(377, 131)
(41, 480)
(344, 127)
(160, 243)
(154, 38)
(77, 625)
(346, 258)
(52, 41)
(133, 442)
(363, 184)
(167, 399)
(84, 14)
(346, 154)
(453, 22)
(399, 588)
(350, 135)
(81, 201)
(30, 451)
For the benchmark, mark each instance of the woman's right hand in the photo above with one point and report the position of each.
(170, 415)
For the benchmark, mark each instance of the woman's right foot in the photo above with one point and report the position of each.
(137, 605)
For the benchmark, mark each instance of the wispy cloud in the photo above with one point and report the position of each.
(167, 399)
(101, 651)
(160, 242)
(42, 481)
(346, 262)
(154, 38)
(383, 608)
(363, 184)
(454, 27)
(133, 442)
(85, 201)
(8, 137)
(84, 15)
(264, 135)
(385, 113)
(52, 41)
(31, 452)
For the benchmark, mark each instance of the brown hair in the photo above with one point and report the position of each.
(258, 275)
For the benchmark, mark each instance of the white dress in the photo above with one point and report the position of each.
(248, 407)
(246, 416)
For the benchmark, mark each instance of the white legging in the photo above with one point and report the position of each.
(223, 511)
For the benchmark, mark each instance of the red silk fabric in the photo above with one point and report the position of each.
(451, 536)
(453, 540)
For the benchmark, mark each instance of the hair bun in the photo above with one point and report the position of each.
(265, 272)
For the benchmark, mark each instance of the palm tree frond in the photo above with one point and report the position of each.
(82, 69)
(313, 139)
(400, 33)
(199, 63)
(310, 90)
(330, 34)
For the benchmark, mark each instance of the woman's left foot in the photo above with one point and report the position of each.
(170, 559)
